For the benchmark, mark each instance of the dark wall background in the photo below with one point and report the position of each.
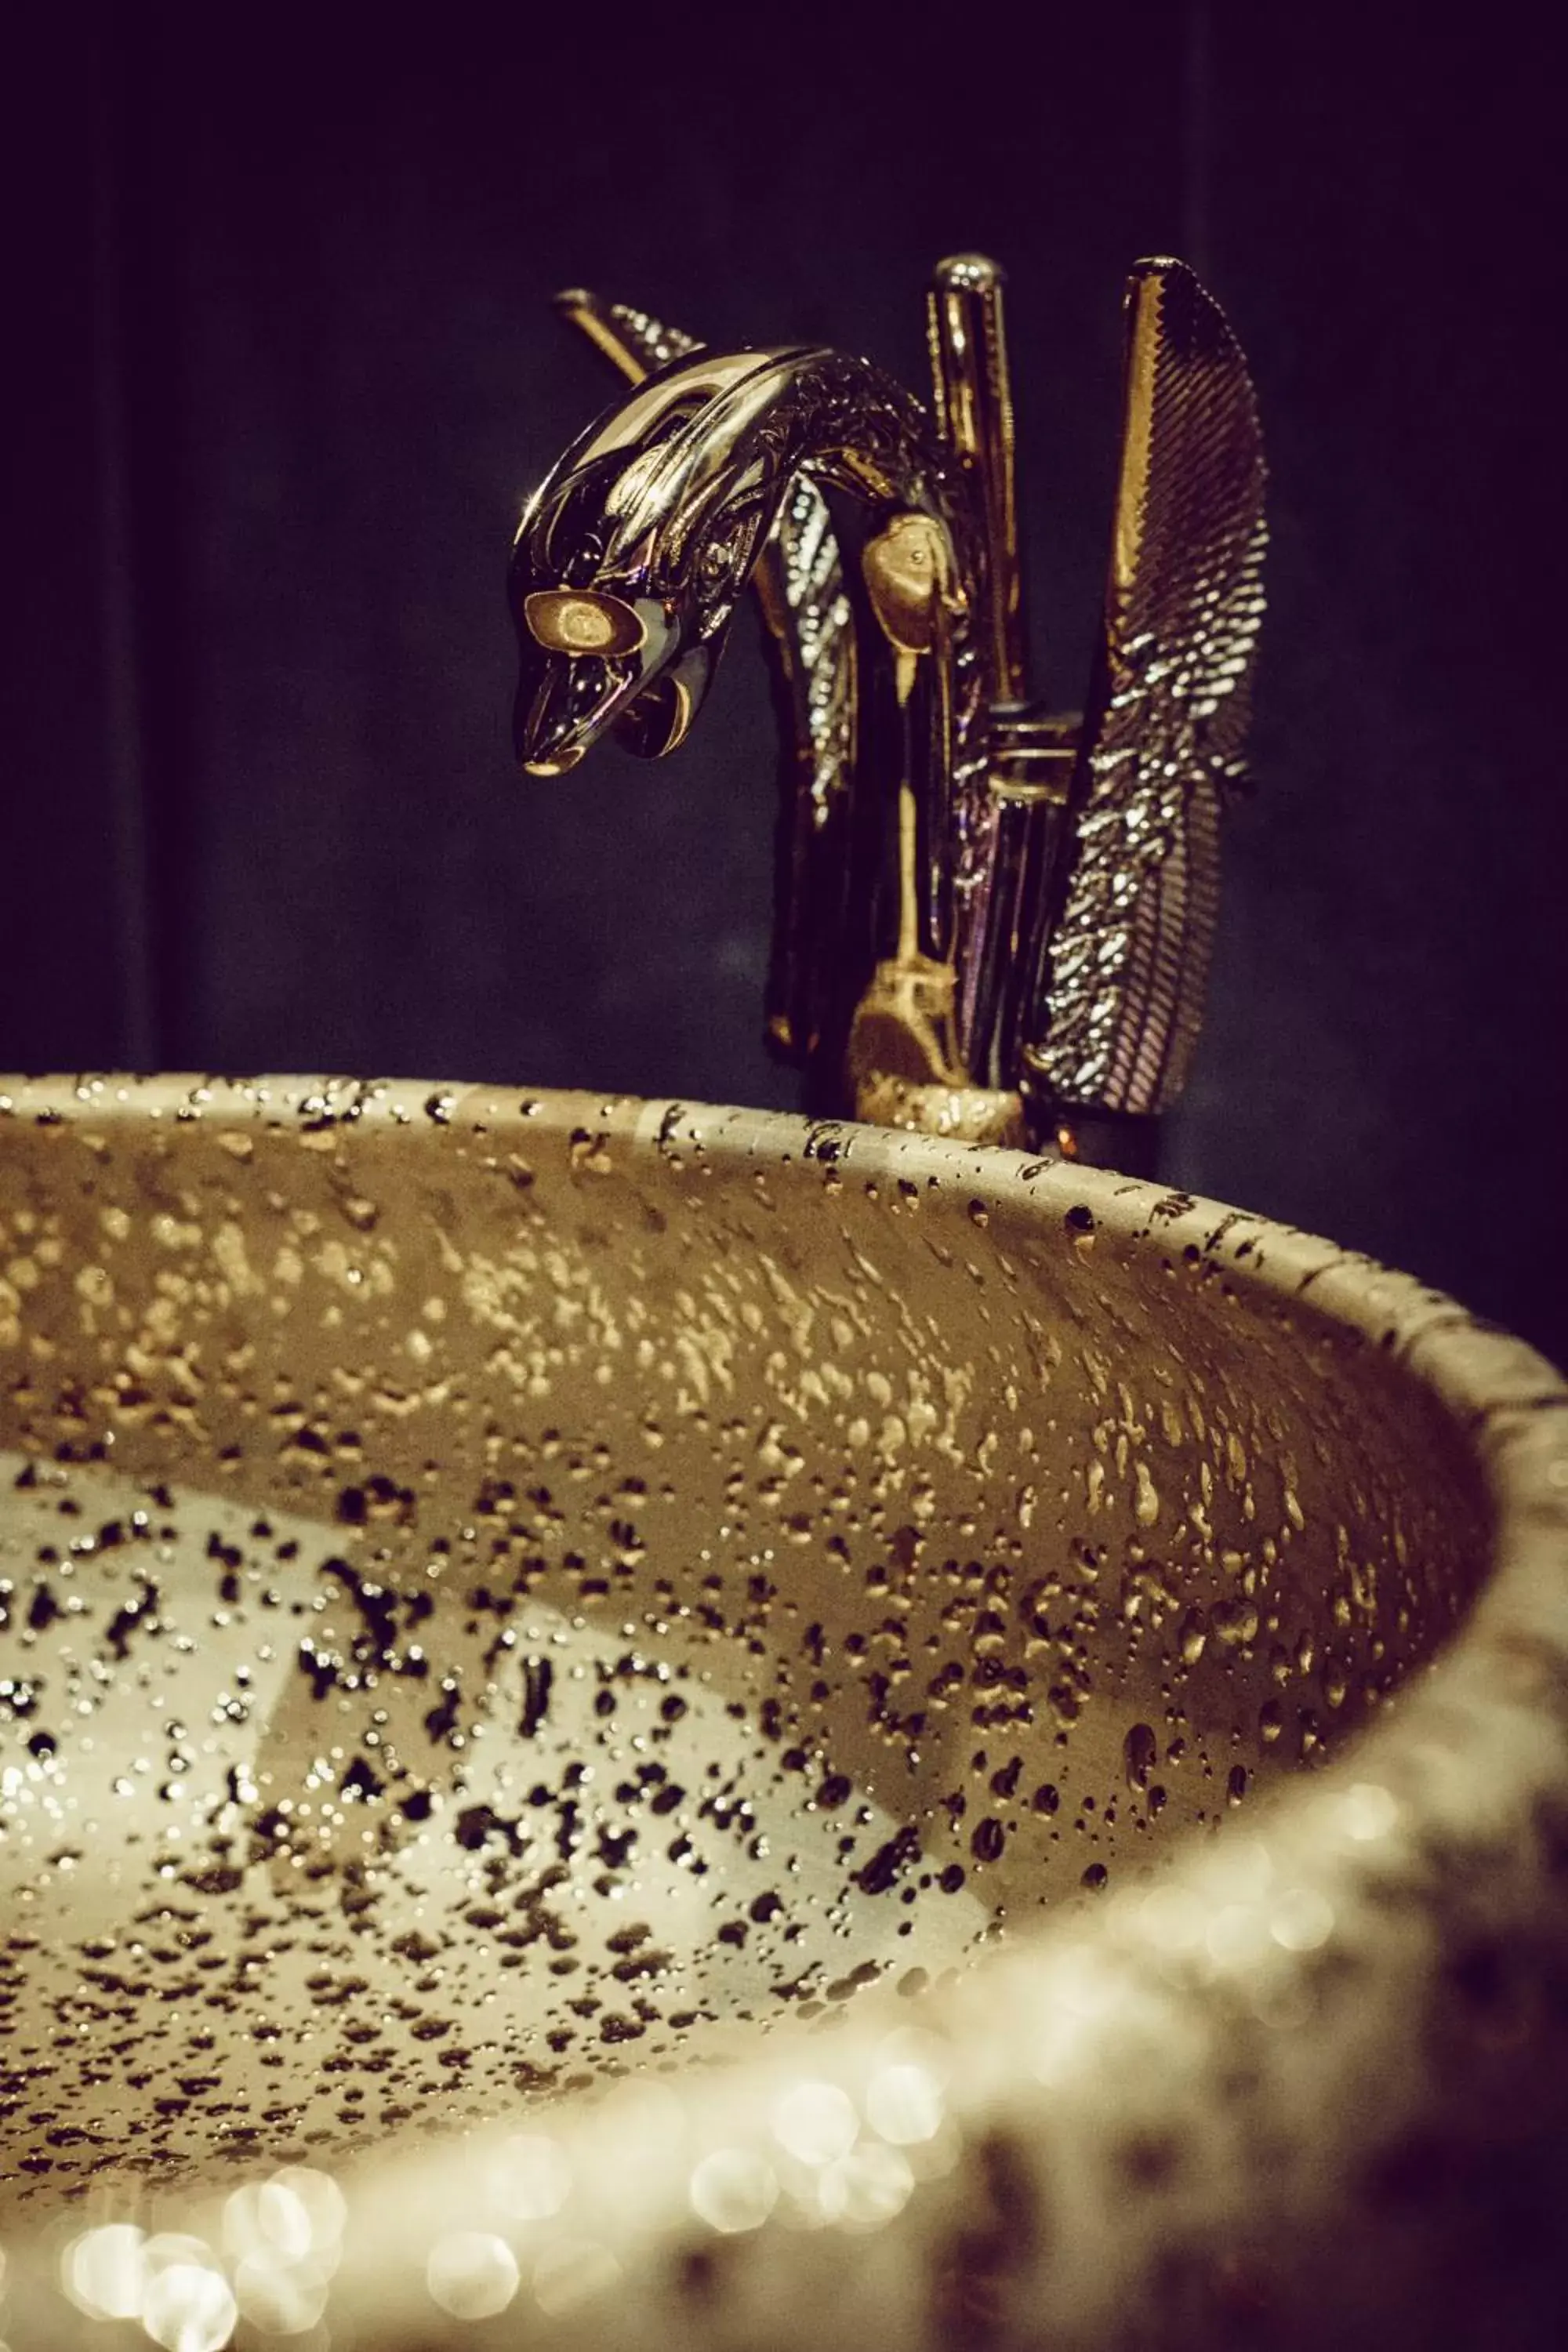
(281, 368)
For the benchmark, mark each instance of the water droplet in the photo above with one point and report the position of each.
(1233, 1622)
(1140, 1752)
(1192, 1637)
(1147, 1507)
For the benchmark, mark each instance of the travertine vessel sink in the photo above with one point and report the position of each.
(655, 1727)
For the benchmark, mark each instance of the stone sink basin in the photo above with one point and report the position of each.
(632, 1725)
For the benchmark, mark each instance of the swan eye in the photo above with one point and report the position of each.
(728, 558)
(582, 621)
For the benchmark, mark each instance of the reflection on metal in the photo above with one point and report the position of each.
(974, 397)
(798, 579)
(568, 622)
(990, 920)
(1119, 996)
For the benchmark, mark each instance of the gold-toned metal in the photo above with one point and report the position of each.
(1144, 306)
(973, 393)
(1037, 765)
(810, 636)
(973, 399)
(810, 640)
(629, 339)
(1064, 872)
(1032, 764)
(667, 505)
(1118, 989)
(505, 1602)
(902, 1059)
(903, 1062)
(909, 574)
(575, 621)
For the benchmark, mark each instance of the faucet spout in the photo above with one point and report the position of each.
(632, 556)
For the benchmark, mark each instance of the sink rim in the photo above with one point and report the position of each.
(1507, 1664)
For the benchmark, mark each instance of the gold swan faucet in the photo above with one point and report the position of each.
(991, 921)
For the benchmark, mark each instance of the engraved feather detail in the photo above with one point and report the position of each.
(1167, 715)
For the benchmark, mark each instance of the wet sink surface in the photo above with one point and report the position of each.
(293, 1863)
(508, 1603)
(488, 1606)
